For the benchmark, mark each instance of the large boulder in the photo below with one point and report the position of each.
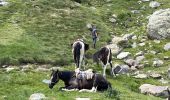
(159, 24)
(120, 69)
(160, 91)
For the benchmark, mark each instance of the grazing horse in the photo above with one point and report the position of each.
(78, 50)
(104, 55)
(98, 82)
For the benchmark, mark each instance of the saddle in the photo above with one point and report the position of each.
(88, 74)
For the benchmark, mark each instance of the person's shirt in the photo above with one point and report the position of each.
(94, 33)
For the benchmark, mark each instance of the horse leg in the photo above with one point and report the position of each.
(70, 88)
(104, 71)
(111, 72)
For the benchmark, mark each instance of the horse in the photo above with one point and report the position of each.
(96, 83)
(79, 47)
(104, 55)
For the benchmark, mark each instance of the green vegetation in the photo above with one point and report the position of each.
(41, 31)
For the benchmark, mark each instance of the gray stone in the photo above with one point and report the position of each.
(88, 25)
(166, 58)
(113, 20)
(46, 81)
(157, 41)
(141, 44)
(167, 47)
(157, 63)
(154, 4)
(131, 62)
(155, 75)
(141, 76)
(3, 3)
(114, 48)
(140, 53)
(120, 69)
(135, 11)
(37, 96)
(163, 81)
(140, 58)
(160, 91)
(128, 36)
(134, 45)
(123, 55)
(159, 25)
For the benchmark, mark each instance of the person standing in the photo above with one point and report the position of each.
(94, 35)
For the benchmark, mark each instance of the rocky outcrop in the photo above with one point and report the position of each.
(159, 24)
(160, 91)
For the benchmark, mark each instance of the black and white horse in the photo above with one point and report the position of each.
(96, 83)
(78, 50)
(104, 55)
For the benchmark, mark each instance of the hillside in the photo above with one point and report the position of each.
(39, 33)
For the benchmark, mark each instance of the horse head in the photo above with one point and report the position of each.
(54, 78)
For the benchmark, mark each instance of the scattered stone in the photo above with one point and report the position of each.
(141, 76)
(26, 67)
(153, 52)
(140, 53)
(82, 98)
(158, 63)
(88, 25)
(114, 15)
(135, 11)
(163, 81)
(131, 62)
(123, 55)
(37, 96)
(160, 91)
(128, 36)
(141, 44)
(169, 73)
(140, 58)
(114, 48)
(159, 26)
(167, 47)
(117, 40)
(113, 20)
(120, 69)
(46, 81)
(155, 75)
(3, 3)
(134, 45)
(157, 41)
(166, 58)
(154, 4)
(134, 37)
(8, 69)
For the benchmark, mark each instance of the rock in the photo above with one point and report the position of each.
(141, 76)
(169, 73)
(160, 91)
(37, 96)
(135, 11)
(114, 48)
(157, 41)
(134, 45)
(166, 58)
(140, 53)
(154, 4)
(128, 36)
(113, 20)
(3, 3)
(155, 75)
(82, 98)
(120, 69)
(46, 81)
(9, 69)
(158, 63)
(141, 44)
(153, 52)
(163, 81)
(117, 40)
(131, 62)
(140, 58)
(159, 25)
(114, 15)
(167, 47)
(123, 55)
(89, 26)
(134, 37)
(27, 67)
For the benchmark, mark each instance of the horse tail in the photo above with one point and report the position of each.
(77, 53)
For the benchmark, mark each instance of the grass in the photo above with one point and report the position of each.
(41, 31)
(20, 85)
